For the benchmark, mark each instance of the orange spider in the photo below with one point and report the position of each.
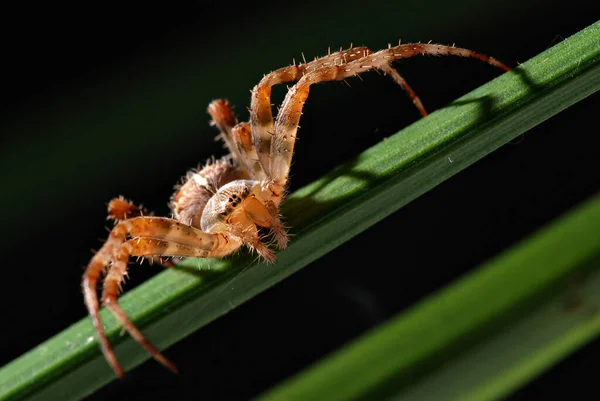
(220, 207)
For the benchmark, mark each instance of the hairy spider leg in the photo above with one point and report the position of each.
(237, 137)
(261, 114)
(286, 126)
(224, 119)
(265, 213)
(242, 134)
(249, 236)
(122, 209)
(277, 228)
(157, 236)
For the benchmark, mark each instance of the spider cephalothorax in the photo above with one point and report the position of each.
(225, 204)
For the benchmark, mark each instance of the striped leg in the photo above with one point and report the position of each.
(261, 115)
(242, 135)
(286, 126)
(277, 227)
(118, 271)
(154, 236)
(120, 209)
(224, 119)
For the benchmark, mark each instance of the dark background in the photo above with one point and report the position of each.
(68, 71)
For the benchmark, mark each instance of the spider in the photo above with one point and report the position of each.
(220, 207)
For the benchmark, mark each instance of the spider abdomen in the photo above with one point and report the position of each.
(190, 198)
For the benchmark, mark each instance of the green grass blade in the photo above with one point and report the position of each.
(323, 215)
(518, 303)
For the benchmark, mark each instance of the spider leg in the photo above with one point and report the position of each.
(247, 233)
(242, 135)
(224, 119)
(288, 118)
(277, 227)
(118, 271)
(118, 209)
(89, 286)
(265, 213)
(155, 236)
(387, 69)
(237, 138)
(122, 209)
(261, 114)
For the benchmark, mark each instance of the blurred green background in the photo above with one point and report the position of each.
(112, 101)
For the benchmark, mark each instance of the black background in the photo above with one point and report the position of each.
(51, 54)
